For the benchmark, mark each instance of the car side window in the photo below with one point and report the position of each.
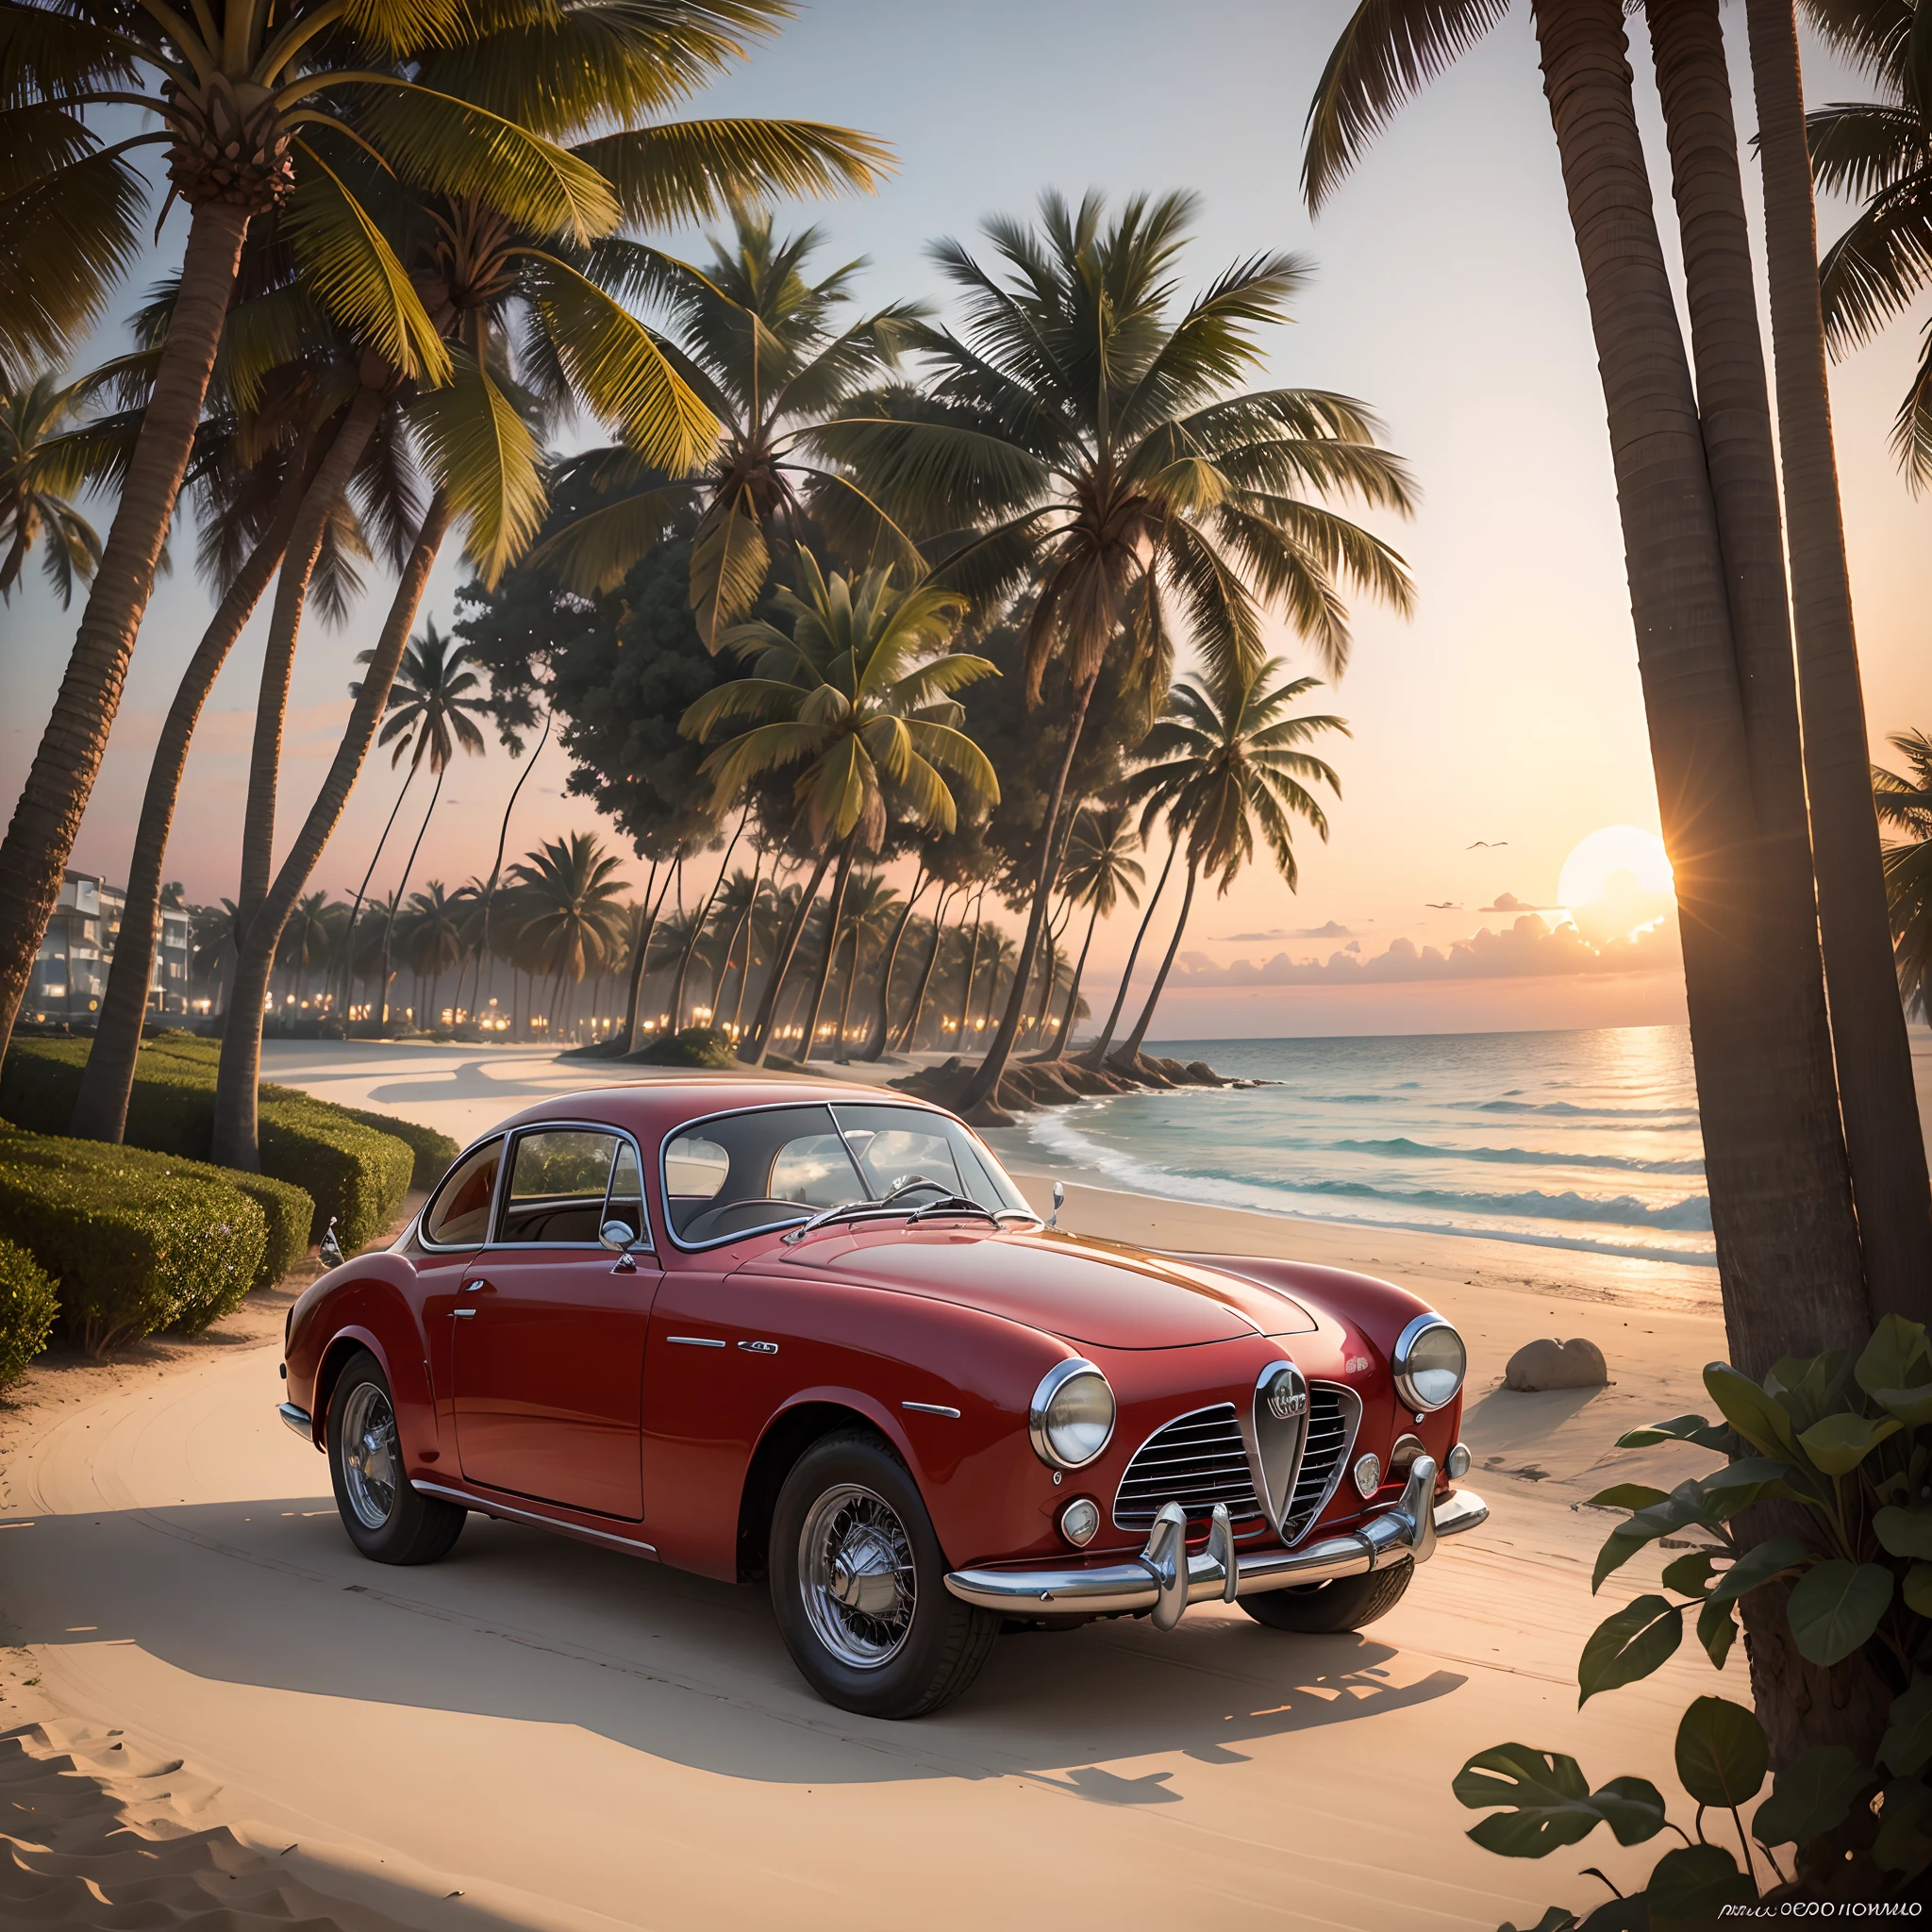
(626, 1201)
(560, 1179)
(458, 1216)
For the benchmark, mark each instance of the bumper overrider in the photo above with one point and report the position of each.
(1163, 1578)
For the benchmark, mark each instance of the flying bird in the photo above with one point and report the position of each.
(1443, 904)
(1493, 844)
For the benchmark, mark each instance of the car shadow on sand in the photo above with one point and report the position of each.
(526, 1626)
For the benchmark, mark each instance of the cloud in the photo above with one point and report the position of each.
(1508, 902)
(1528, 949)
(1333, 930)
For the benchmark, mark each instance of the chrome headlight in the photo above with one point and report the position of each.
(1430, 1362)
(1070, 1419)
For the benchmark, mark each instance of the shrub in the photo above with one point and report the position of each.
(1842, 1443)
(358, 1175)
(354, 1172)
(696, 1047)
(28, 1303)
(434, 1152)
(287, 1210)
(177, 1252)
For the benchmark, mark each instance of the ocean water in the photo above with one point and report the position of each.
(1584, 1139)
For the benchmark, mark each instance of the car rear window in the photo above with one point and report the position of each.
(458, 1216)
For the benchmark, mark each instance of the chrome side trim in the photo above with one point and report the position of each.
(1156, 1581)
(932, 1409)
(297, 1419)
(491, 1506)
(695, 1341)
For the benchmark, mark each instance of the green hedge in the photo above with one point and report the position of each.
(696, 1047)
(434, 1152)
(356, 1173)
(28, 1303)
(176, 1253)
(287, 1210)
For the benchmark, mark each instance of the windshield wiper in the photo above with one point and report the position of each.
(889, 1204)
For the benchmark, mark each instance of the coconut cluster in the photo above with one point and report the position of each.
(229, 145)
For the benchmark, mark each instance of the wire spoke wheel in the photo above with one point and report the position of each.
(371, 1466)
(856, 1577)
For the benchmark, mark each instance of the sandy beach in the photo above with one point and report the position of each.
(214, 1707)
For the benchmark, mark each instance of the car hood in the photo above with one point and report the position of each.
(1100, 1294)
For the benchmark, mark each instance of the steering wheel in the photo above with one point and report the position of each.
(707, 1225)
(908, 1184)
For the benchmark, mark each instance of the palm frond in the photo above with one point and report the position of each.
(483, 457)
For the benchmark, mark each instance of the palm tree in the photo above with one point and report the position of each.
(43, 464)
(310, 937)
(870, 908)
(860, 695)
(770, 355)
(1904, 805)
(1788, 1244)
(1876, 1091)
(254, 106)
(1225, 762)
(572, 919)
(429, 710)
(1101, 447)
(434, 938)
(1100, 871)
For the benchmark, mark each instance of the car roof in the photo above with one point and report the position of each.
(653, 1108)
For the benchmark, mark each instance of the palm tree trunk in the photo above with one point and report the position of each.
(1130, 1054)
(239, 1080)
(698, 925)
(1788, 1255)
(751, 937)
(100, 1108)
(881, 1019)
(971, 966)
(738, 927)
(756, 1047)
(1875, 1070)
(485, 958)
(40, 838)
(835, 915)
(285, 623)
(1059, 1038)
(985, 1083)
(910, 1030)
(1095, 1055)
(839, 1051)
(395, 898)
(640, 952)
(355, 908)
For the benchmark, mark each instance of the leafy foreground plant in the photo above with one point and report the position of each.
(1842, 1448)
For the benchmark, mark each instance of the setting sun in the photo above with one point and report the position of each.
(1615, 882)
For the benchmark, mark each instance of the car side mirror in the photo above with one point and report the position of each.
(1059, 1198)
(617, 1236)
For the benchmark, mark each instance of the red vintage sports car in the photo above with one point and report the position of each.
(797, 1330)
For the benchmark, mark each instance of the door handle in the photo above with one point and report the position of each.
(462, 1314)
(472, 1287)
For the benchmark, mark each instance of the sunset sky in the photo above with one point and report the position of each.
(1446, 295)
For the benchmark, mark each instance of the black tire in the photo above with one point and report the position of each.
(387, 1519)
(1322, 1609)
(930, 1651)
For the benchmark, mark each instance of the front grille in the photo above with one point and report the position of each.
(1198, 1461)
(1327, 1448)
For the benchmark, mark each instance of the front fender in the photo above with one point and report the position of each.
(369, 1308)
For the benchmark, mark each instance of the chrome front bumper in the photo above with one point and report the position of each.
(1165, 1579)
(298, 1420)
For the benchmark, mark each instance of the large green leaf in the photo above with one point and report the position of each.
(1917, 1590)
(1549, 1804)
(1750, 1479)
(1690, 1887)
(1555, 1919)
(1896, 1369)
(1907, 1743)
(1755, 1415)
(1905, 1532)
(1840, 1442)
(1682, 1507)
(1722, 1752)
(1810, 1389)
(1627, 1496)
(1905, 1837)
(1690, 1576)
(1628, 1644)
(1835, 1605)
(1717, 1629)
(1696, 1429)
(1812, 1796)
(1758, 1565)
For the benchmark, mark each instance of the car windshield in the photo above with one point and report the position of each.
(774, 1166)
